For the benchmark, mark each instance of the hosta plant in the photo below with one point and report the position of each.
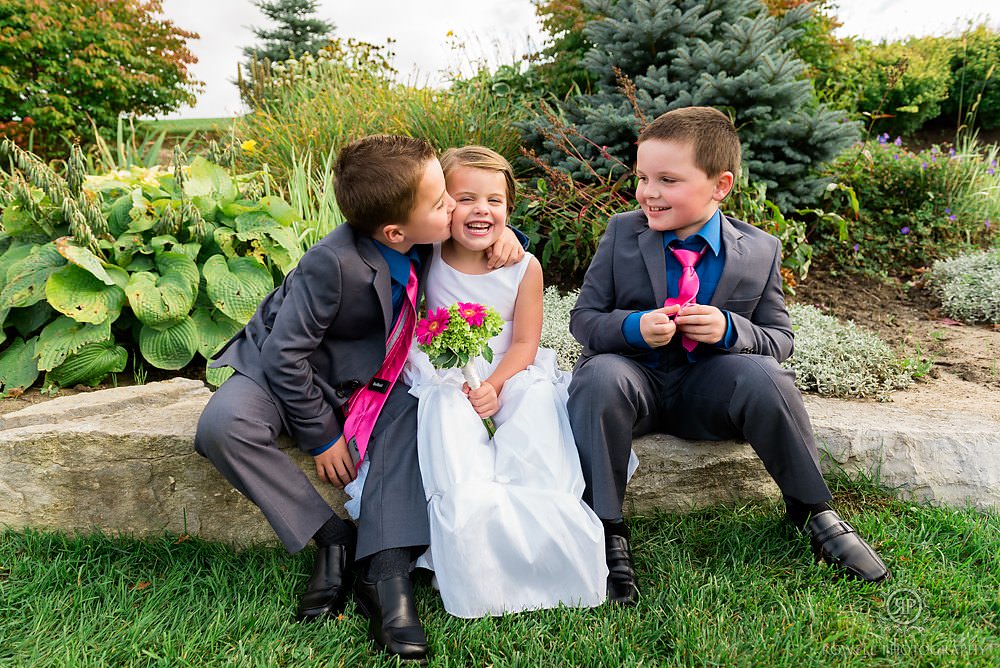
(155, 263)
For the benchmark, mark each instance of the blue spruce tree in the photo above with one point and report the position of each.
(728, 54)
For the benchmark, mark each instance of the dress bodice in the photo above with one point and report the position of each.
(446, 285)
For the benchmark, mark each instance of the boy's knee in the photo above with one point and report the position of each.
(601, 378)
(764, 376)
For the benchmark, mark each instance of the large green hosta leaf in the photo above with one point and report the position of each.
(209, 186)
(64, 336)
(29, 319)
(17, 366)
(11, 256)
(83, 258)
(26, 279)
(77, 293)
(277, 242)
(216, 377)
(214, 329)
(237, 285)
(89, 365)
(162, 301)
(170, 348)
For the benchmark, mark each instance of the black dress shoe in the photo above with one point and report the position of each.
(330, 583)
(622, 589)
(393, 623)
(838, 544)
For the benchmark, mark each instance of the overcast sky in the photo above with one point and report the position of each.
(497, 30)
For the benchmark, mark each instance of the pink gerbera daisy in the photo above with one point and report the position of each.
(432, 326)
(474, 314)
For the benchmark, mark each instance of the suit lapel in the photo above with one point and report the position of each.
(651, 247)
(383, 285)
(736, 264)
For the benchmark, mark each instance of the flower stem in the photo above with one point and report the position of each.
(472, 378)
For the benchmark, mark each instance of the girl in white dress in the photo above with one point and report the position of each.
(509, 530)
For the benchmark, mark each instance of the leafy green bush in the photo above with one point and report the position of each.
(65, 64)
(900, 85)
(912, 208)
(835, 359)
(167, 265)
(316, 104)
(969, 286)
(975, 79)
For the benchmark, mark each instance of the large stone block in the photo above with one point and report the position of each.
(122, 461)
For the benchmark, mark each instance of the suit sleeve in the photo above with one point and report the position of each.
(768, 331)
(594, 321)
(311, 303)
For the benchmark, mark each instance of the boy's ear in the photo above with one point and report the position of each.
(393, 233)
(723, 185)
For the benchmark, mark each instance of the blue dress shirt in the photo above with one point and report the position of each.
(709, 270)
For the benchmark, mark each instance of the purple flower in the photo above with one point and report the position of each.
(987, 224)
(883, 138)
(856, 246)
(947, 210)
(904, 230)
(899, 141)
(991, 171)
(895, 156)
(951, 153)
(923, 166)
(953, 218)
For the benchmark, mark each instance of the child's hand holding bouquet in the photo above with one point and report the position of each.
(454, 336)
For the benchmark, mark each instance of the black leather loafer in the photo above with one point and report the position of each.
(622, 589)
(330, 582)
(392, 618)
(838, 544)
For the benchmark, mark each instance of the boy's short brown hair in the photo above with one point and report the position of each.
(376, 180)
(709, 131)
(481, 157)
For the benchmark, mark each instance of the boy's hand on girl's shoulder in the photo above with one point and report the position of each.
(657, 326)
(701, 323)
(504, 251)
(335, 465)
(484, 399)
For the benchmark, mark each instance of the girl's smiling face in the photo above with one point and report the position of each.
(480, 213)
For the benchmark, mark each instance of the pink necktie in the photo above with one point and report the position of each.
(687, 286)
(364, 406)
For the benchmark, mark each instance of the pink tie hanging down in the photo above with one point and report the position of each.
(687, 286)
(364, 406)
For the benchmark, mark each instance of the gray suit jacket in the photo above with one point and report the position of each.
(320, 335)
(628, 274)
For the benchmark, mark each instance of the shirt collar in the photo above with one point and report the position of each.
(710, 232)
(399, 263)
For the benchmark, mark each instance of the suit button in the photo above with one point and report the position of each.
(355, 384)
(341, 394)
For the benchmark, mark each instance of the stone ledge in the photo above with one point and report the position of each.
(122, 461)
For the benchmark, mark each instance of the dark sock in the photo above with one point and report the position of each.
(616, 528)
(799, 513)
(389, 563)
(334, 531)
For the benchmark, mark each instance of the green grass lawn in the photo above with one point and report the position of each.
(184, 126)
(728, 586)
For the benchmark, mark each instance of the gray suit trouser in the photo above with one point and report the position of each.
(728, 396)
(238, 433)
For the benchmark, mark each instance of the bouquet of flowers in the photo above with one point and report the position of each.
(454, 336)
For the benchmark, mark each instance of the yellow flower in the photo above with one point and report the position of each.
(249, 146)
